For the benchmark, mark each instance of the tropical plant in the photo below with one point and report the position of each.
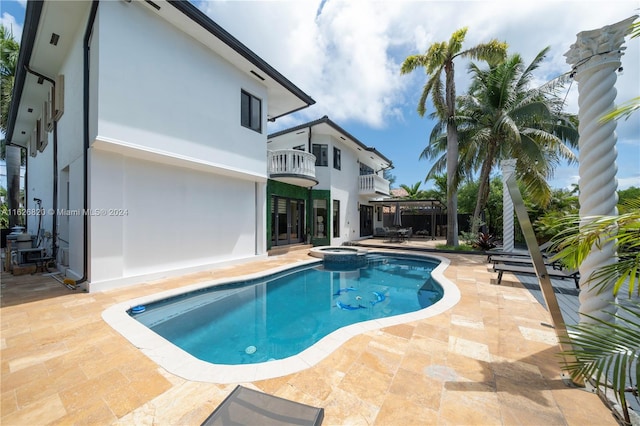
(607, 351)
(440, 58)
(503, 117)
(485, 241)
(9, 49)
(413, 191)
(546, 219)
(580, 237)
(625, 195)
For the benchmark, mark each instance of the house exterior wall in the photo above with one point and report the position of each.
(166, 220)
(161, 91)
(341, 185)
(184, 180)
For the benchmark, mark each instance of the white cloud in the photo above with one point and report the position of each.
(9, 21)
(347, 54)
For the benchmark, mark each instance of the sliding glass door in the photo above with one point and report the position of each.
(287, 221)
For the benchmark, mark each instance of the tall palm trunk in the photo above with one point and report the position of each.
(452, 159)
(483, 188)
(12, 155)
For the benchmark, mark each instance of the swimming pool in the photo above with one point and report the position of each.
(299, 316)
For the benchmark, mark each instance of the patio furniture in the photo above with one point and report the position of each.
(246, 406)
(543, 250)
(522, 260)
(501, 268)
(381, 232)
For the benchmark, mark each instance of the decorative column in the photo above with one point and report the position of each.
(595, 58)
(508, 169)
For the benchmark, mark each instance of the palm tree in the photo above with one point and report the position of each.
(413, 192)
(9, 49)
(438, 58)
(502, 117)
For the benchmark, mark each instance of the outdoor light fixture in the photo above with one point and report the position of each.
(54, 39)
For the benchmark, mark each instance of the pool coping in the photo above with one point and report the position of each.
(179, 362)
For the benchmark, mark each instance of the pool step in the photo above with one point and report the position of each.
(278, 250)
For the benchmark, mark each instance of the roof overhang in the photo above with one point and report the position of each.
(430, 204)
(47, 37)
(325, 126)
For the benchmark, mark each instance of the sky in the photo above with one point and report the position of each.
(346, 54)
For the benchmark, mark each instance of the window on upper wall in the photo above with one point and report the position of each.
(322, 154)
(336, 158)
(251, 111)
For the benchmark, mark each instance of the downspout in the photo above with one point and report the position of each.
(54, 227)
(87, 38)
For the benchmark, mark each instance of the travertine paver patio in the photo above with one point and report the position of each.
(489, 360)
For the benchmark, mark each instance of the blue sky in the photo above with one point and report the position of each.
(347, 55)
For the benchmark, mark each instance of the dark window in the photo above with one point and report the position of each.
(365, 170)
(251, 111)
(319, 218)
(336, 219)
(336, 158)
(321, 153)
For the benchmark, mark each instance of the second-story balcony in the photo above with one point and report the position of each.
(373, 185)
(292, 166)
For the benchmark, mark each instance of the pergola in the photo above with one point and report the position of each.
(427, 207)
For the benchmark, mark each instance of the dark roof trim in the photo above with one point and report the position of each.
(205, 22)
(29, 31)
(327, 120)
(408, 202)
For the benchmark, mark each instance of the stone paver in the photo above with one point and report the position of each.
(489, 360)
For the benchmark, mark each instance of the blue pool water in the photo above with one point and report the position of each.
(281, 315)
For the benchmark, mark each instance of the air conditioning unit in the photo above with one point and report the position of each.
(33, 144)
(43, 135)
(46, 116)
(57, 98)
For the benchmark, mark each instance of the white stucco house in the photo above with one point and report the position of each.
(145, 127)
(323, 183)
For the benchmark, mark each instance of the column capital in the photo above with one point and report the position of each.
(595, 48)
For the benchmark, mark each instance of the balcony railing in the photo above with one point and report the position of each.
(292, 166)
(373, 184)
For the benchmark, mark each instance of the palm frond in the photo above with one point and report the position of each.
(607, 351)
